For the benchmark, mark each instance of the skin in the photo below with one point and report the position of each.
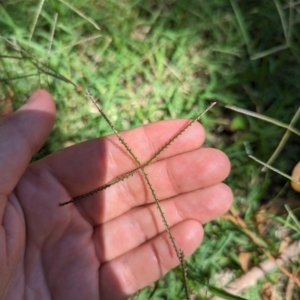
(113, 243)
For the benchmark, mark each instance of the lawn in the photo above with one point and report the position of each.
(153, 60)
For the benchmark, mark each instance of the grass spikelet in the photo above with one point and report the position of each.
(131, 173)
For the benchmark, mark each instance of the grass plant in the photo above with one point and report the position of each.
(153, 60)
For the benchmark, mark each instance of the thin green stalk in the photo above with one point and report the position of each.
(42, 67)
(292, 215)
(269, 51)
(274, 169)
(283, 140)
(282, 19)
(291, 22)
(91, 38)
(37, 15)
(52, 35)
(81, 14)
(265, 118)
(242, 25)
(17, 77)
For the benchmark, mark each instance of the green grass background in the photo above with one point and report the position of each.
(154, 60)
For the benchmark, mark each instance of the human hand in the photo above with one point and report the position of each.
(113, 243)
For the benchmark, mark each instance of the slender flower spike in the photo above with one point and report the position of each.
(141, 167)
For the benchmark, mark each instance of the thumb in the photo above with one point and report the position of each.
(21, 135)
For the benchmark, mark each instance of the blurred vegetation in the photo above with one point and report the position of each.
(154, 60)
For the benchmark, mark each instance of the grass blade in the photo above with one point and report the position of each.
(269, 51)
(262, 117)
(274, 169)
(37, 15)
(81, 14)
(91, 38)
(242, 25)
(283, 140)
(282, 19)
(52, 35)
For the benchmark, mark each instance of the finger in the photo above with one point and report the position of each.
(143, 265)
(142, 224)
(175, 175)
(86, 166)
(21, 135)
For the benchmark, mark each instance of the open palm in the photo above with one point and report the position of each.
(112, 243)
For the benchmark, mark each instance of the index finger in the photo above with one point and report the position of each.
(86, 166)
